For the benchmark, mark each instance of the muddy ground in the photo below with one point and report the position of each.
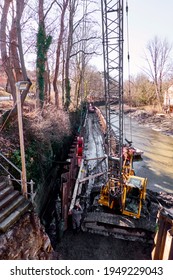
(87, 246)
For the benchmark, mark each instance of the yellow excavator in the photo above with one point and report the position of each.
(126, 195)
(128, 200)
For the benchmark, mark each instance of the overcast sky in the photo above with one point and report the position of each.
(147, 19)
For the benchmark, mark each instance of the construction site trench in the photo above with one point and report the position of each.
(155, 165)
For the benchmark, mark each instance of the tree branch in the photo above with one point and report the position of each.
(49, 8)
(86, 39)
(86, 53)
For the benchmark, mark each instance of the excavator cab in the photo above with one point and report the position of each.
(133, 195)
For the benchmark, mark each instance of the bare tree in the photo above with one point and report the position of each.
(140, 91)
(13, 47)
(14, 65)
(63, 8)
(72, 9)
(19, 11)
(158, 60)
(6, 62)
(94, 83)
(81, 45)
(75, 38)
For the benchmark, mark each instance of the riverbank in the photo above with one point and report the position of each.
(157, 121)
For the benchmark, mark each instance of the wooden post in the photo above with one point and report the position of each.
(21, 138)
(165, 224)
(167, 253)
(32, 190)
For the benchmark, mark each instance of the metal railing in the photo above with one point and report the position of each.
(12, 178)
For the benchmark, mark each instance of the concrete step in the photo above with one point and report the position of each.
(8, 198)
(3, 184)
(2, 178)
(5, 191)
(11, 207)
(14, 216)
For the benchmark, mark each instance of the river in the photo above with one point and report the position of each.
(4, 98)
(157, 163)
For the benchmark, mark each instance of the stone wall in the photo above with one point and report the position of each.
(26, 240)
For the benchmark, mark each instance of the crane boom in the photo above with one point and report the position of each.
(112, 35)
(121, 180)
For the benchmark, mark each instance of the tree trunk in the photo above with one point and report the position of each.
(5, 58)
(43, 43)
(63, 73)
(41, 24)
(69, 48)
(14, 51)
(48, 82)
(6, 118)
(47, 89)
(60, 39)
(20, 8)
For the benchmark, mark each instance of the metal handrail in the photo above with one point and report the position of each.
(11, 176)
(20, 172)
(7, 160)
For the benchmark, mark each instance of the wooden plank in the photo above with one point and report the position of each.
(168, 246)
(91, 177)
(96, 158)
(76, 187)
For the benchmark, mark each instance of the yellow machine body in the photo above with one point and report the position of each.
(110, 195)
(133, 195)
(128, 198)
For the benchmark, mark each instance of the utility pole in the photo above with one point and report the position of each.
(20, 86)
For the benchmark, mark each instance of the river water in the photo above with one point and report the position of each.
(157, 160)
(3, 98)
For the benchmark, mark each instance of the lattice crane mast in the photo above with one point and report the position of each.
(112, 34)
(123, 190)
